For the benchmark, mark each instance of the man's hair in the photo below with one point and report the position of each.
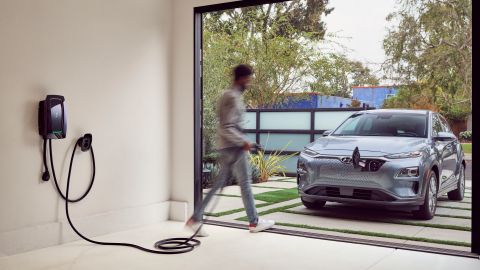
(242, 71)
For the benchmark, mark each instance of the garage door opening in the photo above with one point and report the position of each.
(306, 83)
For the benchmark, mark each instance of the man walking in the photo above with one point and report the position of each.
(233, 145)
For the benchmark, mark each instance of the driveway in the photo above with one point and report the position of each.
(277, 199)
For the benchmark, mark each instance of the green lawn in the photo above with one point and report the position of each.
(277, 196)
(467, 147)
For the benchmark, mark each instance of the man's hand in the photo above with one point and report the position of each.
(247, 146)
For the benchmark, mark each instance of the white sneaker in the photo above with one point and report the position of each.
(261, 225)
(193, 226)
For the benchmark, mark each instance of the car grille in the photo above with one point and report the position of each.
(359, 194)
(332, 191)
(362, 194)
(333, 171)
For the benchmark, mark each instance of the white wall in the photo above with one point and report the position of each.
(111, 61)
(182, 99)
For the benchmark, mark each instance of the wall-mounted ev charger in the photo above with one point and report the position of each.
(52, 124)
(52, 120)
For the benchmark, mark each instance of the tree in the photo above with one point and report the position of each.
(276, 39)
(430, 51)
(335, 74)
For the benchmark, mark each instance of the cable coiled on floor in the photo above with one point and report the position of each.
(176, 245)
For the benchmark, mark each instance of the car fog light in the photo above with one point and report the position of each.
(408, 172)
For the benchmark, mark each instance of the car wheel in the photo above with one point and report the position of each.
(314, 205)
(427, 209)
(457, 194)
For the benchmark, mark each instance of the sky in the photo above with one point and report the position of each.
(363, 22)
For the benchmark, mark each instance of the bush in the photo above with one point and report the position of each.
(211, 158)
(265, 167)
(466, 135)
(355, 104)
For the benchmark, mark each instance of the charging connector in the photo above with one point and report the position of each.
(85, 142)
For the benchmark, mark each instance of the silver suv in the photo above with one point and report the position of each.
(384, 157)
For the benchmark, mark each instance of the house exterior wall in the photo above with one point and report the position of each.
(374, 95)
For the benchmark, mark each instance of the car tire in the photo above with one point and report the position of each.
(314, 205)
(457, 194)
(427, 209)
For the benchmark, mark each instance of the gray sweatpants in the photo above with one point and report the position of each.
(232, 161)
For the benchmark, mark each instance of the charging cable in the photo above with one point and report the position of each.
(176, 245)
(166, 246)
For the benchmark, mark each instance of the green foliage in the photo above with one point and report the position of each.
(211, 157)
(280, 41)
(430, 52)
(269, 165)
(413, 96)
(466, 135)
(335, 74)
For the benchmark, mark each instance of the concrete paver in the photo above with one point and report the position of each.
(226, 204)
(277, 184)
(453, 212)
(442, 234)
(342, 224)
(379, 215)
(235, 190)
(454, 204)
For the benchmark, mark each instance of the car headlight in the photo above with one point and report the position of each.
(408, 172)
(310, 152)
(413, 154)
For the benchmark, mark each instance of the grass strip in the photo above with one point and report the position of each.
(255, 185)
(277, 196)
(454, 207)
(273, 210)
(233, 211)
(467, 147)
(365, 233)
(375, 234)
(226, 195)
(286, 179)
(400, 222)
(453, 216)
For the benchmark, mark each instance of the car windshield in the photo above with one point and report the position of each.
(384, 124)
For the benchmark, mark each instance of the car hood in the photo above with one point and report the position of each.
(367, 145)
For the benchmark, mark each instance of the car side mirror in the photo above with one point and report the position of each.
(444, 136)
(326, 133)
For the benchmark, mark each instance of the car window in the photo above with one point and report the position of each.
(436, 125)
(384, 124)
(445, 125)
(351, 125)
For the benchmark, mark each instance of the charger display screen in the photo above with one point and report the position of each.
(56, 116)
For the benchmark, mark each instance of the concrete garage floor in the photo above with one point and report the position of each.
(228, 248)
(449, 229)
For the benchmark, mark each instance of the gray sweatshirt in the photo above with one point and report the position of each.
(230, 112)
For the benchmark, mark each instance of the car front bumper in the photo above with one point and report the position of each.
(328, 178)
